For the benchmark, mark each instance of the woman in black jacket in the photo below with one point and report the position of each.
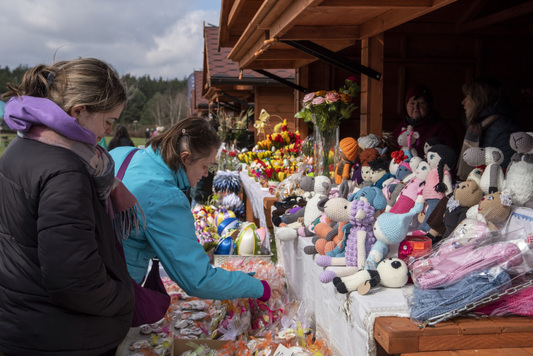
(490, 120)
(64, 287)
(121, 138)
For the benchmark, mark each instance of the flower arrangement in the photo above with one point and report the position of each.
(325, 110)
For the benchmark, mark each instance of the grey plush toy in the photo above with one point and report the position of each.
(492, 178)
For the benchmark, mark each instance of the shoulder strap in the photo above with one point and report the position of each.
(125, 163)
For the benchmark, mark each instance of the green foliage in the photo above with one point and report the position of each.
(141, 91)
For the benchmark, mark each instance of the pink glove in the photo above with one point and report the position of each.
(266, 294)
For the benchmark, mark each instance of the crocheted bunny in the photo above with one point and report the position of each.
(358, 242)
(492, 178)
(406, 139)
(413, 188)
(519, 176)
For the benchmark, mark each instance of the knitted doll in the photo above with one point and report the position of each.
(379, 174)
(322, 186)
(348, 150)
(366, 175)
(430, 142)
(441, 159)
(466, 195)
(389, 229)
(413, 189)
(366, 155)
(519, 176)
(406, 139)
(492, 178)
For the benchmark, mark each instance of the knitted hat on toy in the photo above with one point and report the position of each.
(395, 226)
(349, 147)
(368, 154)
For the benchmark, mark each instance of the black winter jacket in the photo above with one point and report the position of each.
(64, 289)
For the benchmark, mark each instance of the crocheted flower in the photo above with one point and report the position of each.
(405, 249)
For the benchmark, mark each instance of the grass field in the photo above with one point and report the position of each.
(136, 140)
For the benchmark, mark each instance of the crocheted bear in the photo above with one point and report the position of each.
(494, 209)
(492, 178)
(466, 195)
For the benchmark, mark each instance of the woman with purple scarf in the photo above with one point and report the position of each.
(64, 287)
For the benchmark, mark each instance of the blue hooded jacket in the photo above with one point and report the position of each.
(169, 231)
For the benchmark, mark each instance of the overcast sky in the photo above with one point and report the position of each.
(159, 38)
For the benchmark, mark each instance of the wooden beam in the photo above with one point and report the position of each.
(472, 11)
(372, 54)
(378, 3)
(223, 30)
(234, 12)
(290, 54)
(396, 17)
(314, 33)
(290, 15)
(498, 17)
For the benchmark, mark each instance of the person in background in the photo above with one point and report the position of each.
(160, 176)
(65, 288)
(147, 134)
(490, 120)
(120, 138)
(424, 119)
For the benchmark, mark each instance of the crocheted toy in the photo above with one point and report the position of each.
(519, 176)
(307, 184)
(492, 178)
(360, 238)
(441, 159)
(321, 186)
(368, 141)
(494, 209)
(379, 172)
(406, 139)
(366, 155)
(338, 211)
(466, 195)
(414, 188)
(390, 272)
(348, 150)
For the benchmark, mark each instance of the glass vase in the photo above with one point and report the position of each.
(326, 146)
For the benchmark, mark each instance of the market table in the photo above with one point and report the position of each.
(258, 202)
(346, 321)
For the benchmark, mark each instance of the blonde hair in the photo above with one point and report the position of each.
(83, 81)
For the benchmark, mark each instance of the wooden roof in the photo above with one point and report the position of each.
(222, 78)
(256, 29)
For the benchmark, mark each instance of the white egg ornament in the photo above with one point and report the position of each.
(247, 242)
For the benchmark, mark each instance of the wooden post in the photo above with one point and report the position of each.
(372, 90)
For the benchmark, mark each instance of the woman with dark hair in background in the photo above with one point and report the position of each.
(120, 138)
(490, 120)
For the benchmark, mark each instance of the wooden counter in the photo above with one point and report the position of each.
(512, 335)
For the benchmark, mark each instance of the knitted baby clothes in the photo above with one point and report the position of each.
(449, 268)
(427, 303)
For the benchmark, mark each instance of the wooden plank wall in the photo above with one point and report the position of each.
(277, 101)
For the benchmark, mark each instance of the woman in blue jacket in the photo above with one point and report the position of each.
(160, 176)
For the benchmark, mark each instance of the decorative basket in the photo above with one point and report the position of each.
(221, 259)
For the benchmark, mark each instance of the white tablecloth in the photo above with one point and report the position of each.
(256, 195)
(346, 321)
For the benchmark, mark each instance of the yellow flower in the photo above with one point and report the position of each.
(320, 93)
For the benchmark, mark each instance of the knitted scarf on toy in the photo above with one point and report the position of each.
(42, 120)
(472, 139)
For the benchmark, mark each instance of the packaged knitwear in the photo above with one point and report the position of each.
(470, 248)
(452, 279)
(519, 303)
